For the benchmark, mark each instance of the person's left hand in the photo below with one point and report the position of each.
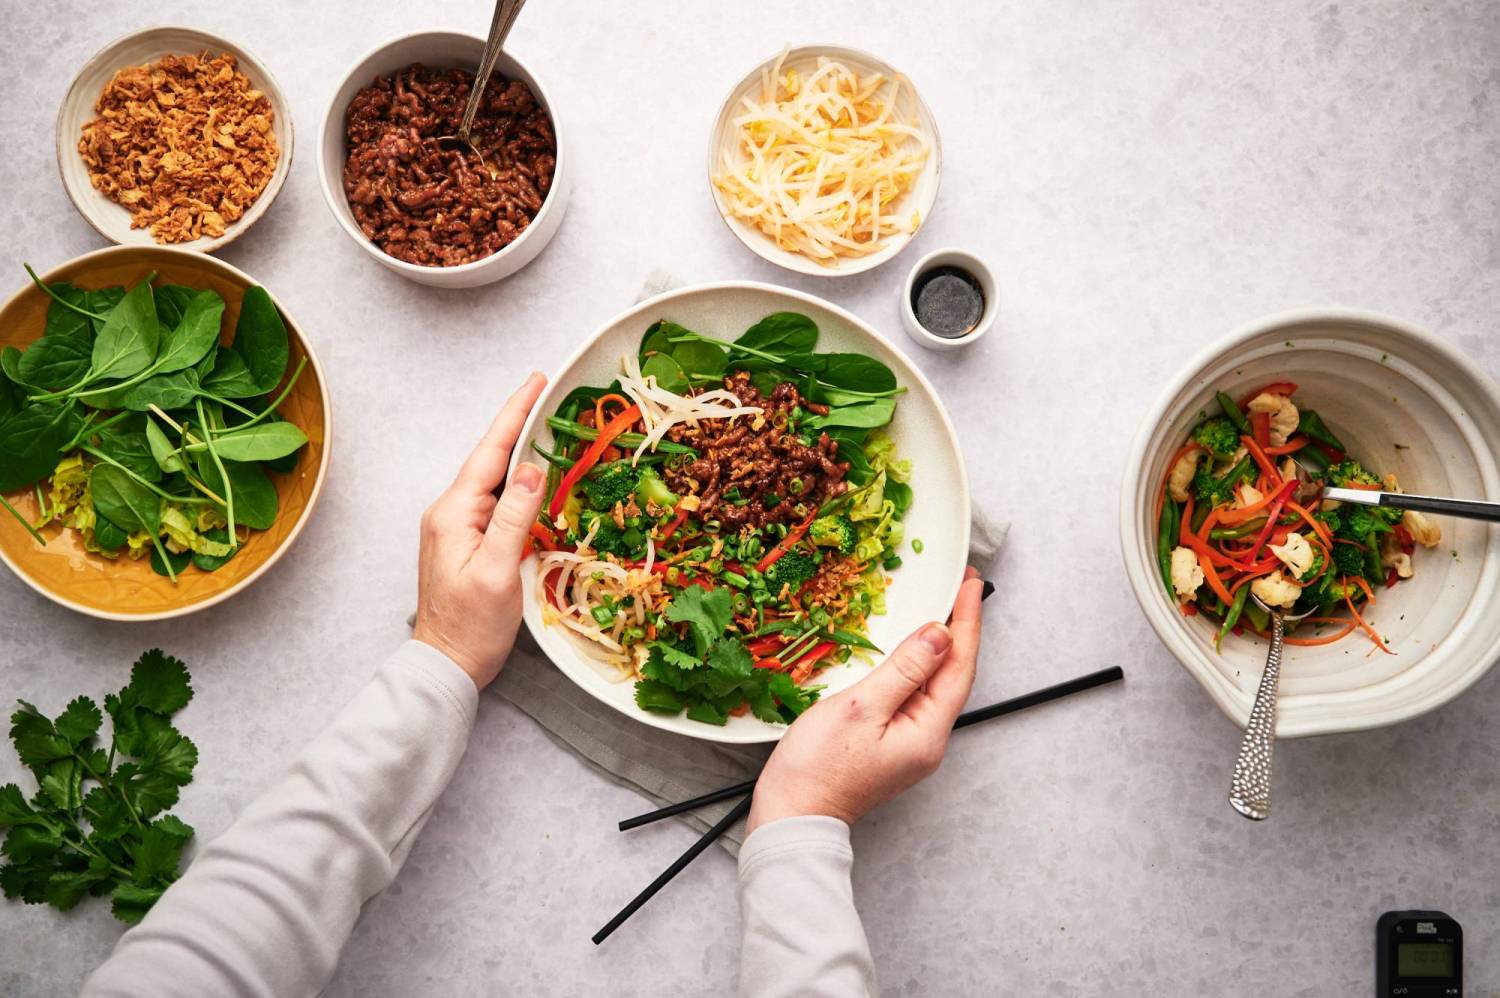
(468, 575)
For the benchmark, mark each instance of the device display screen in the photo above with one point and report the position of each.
(1424, 959)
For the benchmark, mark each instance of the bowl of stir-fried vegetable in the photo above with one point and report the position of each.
(751, 497)
(1222, 517)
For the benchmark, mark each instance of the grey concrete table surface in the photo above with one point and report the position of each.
(1143, 177)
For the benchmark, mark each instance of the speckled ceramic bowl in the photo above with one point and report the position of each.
(1403, 401)
(129, 590)
(922, 589)
(921, 197)
(139, 48)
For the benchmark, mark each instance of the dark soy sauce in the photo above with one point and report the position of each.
(948, 302)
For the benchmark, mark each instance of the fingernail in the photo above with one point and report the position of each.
(937, 638)
(526, 478)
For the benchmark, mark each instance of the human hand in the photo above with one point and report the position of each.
(861, 747)
(468, 570)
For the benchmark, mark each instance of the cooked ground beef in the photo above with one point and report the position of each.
(759, 466)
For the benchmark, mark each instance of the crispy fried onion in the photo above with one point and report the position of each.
(662, 409)
(571, 584)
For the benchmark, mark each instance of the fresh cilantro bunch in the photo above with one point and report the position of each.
(717, 674)
(112, 838)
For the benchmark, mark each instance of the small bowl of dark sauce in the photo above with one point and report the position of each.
(949, 301)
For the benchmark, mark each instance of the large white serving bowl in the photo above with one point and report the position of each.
(922, 589)
(439, 50)
(1402, 400)
(920, 197)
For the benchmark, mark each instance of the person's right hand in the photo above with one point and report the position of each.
(861, 747)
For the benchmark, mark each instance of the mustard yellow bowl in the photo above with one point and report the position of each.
(122, 589)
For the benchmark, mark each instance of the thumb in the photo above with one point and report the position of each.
(906, 670)
(513, 516)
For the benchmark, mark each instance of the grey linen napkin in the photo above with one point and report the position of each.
(662, 766)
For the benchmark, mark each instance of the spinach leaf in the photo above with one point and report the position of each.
(658, 337)
(162, 451)
(260, 339)
(783, 334)
(668, 372)
(852, 449)
(699, 359)
(261, 442)
(55, 361)
(210, 562)
(10, 402)
(63, 321)
(855, 372)
(10, 366)
(165, 391)
(101, 301)
(1311, 425)
(30, 441)
(869, 415)
(179, 560)
(194, 336)
(127, 341)
(171, 303)
(230, 379)
(255, 500)
(127, 443)
(123, 501)
(107, 535)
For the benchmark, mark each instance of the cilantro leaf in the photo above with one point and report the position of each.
(676, 656)
(80, 721)
(763, 705)
(793, 697)
(69, 840)
(707, 612)
(653, 695)
(707, 713)
(730, 657)
(160, 683)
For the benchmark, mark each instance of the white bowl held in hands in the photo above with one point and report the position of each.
(1403, 401)
(111, 220)
(921, 590)
(439, 50)
(920, 197)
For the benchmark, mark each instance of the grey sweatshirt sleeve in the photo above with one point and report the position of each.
(802, 935)
(265, 908)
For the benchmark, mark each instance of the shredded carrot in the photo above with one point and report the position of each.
(599, 419)
(1185, 528)
(1272, 475)
(1214, 582)
(1290, 447)
(1326, 639)
(1374, 636)
(1319, 527)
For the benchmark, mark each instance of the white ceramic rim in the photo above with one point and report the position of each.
(982, 273)
(267, 85)
(333, 192)
(711, 733)
(312, 497)
(1143, 576)
(760, 244)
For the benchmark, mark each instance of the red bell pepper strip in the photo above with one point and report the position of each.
(1404, 538)
(1274, 388)
(792, 537)
(538, 536)
(1391, 579)
(765, 645)
(676, 522)
(608, 432)
(1260, 458)
(774, 664)
(1282, 495)
(1260, 422)
(1290, 447)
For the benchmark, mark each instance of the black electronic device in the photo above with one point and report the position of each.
(1418, 954)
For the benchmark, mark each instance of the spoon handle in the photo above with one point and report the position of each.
(1468, 509)
(1250, 789)
(500, 25)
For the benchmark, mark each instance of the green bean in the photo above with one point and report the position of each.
(624, 439)
(850, 638)
(1232, 411)
(1243, 530)
(556, 460)
(1233, 616)
(1166, 531)
(1200, 514)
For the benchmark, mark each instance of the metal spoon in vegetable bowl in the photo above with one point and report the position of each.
(1468, 509)
(1250, 788)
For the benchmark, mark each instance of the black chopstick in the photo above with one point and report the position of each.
(1110, 675)
(707, 839)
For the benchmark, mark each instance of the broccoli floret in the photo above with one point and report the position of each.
(650, 488)
(791, 569)
(833, 532)
(1211, 490)
(610, 539)
(1218, 435)
(1362, 523)
(1350, 470)
(609, 484)
(1348, 559)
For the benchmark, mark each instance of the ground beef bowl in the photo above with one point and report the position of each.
(429, 213)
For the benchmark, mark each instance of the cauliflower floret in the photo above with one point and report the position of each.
(1248, 495)
(1288, 469)
(1187, 575)
(1181, 478)
(1284, 415)
(1296, 554)
(1391, 483)
(1391, 556)
(1422, 530)
(1276, 590)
